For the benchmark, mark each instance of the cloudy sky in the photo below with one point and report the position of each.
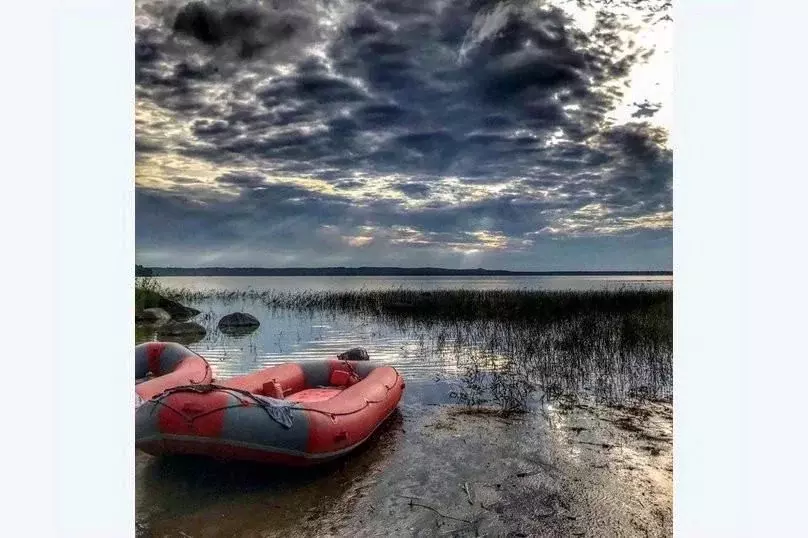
(454, 133)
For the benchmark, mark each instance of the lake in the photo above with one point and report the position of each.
(556, 470)
(290, 335)
(326, 283)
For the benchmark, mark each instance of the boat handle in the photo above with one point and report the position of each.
(341, 436)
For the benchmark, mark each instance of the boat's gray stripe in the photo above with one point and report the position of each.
(254, 426)
(170, 356)
(147, 420)
(261, 447)
(318, 373)
(141, 362)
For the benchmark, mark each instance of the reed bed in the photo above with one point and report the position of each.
(466, 305)
(614, 345)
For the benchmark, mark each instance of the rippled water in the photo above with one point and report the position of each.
(296, 336)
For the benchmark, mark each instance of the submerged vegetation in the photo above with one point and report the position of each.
(613, 345)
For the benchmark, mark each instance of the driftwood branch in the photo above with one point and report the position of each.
(441, 514)
(468, 494)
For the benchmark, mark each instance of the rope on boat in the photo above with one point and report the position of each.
(190, 354)
(259, 401)
(285, 421)
(208, 371)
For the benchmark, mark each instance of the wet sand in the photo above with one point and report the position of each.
(566, 469)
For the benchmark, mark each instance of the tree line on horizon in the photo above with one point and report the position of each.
(141, 270)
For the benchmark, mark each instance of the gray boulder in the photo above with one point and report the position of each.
(239, 322)
(146, 299)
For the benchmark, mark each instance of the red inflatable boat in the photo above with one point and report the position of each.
(163, 365)
(292, 414)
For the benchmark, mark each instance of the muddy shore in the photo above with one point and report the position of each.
(563, 469)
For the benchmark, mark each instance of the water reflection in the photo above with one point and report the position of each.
(186, 491)
(286, 335)
(238, 332)
(613, 356)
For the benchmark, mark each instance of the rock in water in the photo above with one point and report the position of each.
(181, 328)
(146, 299)
(238, 321)
(152, 316)
(354, 354)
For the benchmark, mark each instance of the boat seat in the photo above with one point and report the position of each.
(314, 395)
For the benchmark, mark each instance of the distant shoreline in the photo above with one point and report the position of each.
(371, 271)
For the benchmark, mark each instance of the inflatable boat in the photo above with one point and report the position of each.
(163, 365)
(292, 414)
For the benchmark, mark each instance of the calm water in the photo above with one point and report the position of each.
(291, 336)
(419, 283)
(285, 335)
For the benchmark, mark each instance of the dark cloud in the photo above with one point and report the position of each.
(208, 127)
(506, 94)
(414, 190)
(143, 147)
(315, 90)
(197, 20)
(248, 28)
(645, 109)
(242, 181)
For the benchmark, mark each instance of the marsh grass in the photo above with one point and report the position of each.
(442, 305)
(613, 345)
(144, 287)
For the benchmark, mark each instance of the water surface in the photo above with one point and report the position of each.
(286, 335)
(341, 283)
(547, 473)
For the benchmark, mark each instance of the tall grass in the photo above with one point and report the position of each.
(610, 356)
(535, 305)
(612, 344)
(145, 288)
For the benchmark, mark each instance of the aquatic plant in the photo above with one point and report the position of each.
(507, 344)
(460, 304)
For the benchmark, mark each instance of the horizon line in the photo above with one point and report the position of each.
(399, 268)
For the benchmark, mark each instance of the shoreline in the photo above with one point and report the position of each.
(568, 467)
(574, 470)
